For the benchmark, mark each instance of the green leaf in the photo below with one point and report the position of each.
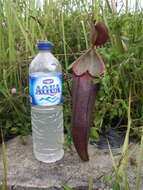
(8, 124)
(66, 187)
(14, 130)
(94, 134)
(107, 178)
(116, 186)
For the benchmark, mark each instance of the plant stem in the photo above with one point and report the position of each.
(65, 51)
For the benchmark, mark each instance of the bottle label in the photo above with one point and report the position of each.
(45, 91)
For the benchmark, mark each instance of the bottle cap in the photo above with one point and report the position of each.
(44, 46)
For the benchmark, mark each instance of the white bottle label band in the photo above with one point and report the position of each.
(45, 91)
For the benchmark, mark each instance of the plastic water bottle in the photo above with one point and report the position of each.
(45, 84)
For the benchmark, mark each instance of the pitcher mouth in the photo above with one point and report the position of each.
(89, 63)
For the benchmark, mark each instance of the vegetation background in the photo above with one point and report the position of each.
(66, 23)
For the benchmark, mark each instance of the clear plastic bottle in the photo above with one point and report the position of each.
(45, 83)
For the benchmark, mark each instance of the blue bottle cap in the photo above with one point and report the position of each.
(44, 46)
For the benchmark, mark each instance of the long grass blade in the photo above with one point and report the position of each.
(125, 152)
(126, 142)
(112, 158)
(4, 159)
(139, 167)
(85, 34)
